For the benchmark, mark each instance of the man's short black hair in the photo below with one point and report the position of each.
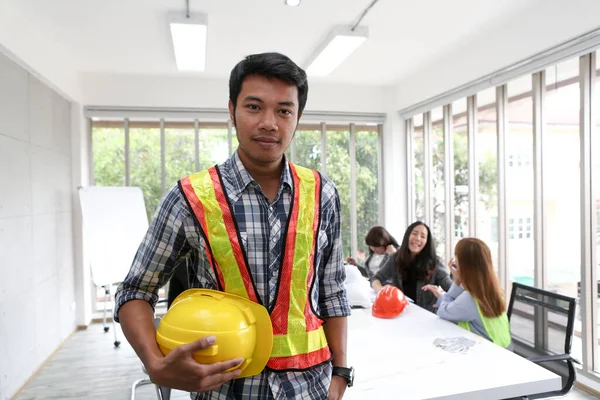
(269, 65)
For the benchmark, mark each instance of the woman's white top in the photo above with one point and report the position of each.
(375, 263)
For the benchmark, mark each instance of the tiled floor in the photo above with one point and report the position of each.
(89, 367)
(577, 394)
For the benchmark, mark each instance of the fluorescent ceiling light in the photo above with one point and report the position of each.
(189, 41)
(293, 3)
(340, 43)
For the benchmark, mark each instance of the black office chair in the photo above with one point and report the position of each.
(541, 324)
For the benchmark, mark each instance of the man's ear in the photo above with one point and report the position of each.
(231, 112)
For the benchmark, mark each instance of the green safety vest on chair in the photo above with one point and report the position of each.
(497, 328)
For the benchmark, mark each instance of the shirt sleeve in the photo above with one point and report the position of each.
(163, 247)
(457, 305)
(333, 301)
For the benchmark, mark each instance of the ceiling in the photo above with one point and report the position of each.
(132, 36)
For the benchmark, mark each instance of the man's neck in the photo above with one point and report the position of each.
(267, 175)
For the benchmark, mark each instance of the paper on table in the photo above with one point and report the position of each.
(455, 344)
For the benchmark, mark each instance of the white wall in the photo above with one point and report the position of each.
(544, 25)
(190, 91)
(37, 308)
(394, 171)
(80, 147)
(22, 40)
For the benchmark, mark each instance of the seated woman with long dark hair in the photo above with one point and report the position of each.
(382, 246)
(414, 266)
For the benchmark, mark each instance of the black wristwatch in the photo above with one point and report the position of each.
(346, 373)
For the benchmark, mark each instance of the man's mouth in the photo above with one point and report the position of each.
(266, 142)
(264, 139)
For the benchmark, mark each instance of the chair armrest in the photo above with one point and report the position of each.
(554, 357)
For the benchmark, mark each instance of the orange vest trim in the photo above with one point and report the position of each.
(225, 238)
(186, 187)
(281, 310)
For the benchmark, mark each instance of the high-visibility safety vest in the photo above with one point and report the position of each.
(497, 328)
(299, 340)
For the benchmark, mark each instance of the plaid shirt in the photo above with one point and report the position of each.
(174, 239)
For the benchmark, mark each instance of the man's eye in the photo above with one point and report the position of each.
(252, 106)
(286, 112)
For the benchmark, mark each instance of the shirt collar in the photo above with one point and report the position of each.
(240, 177)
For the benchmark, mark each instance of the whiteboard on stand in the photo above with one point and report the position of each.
(114, 224)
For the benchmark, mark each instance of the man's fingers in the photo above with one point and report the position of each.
(217, 368)
(215, 381)
(199, 344)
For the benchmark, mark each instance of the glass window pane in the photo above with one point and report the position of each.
(461, 169)
(108, 146)
(145, 163)
(338, 170)
(519, 178)
(561, 192)
(437, 177)
(596, 169)
(486, 154)
(180, 159)
(308, 147)
(419, 172)
(367, 184)
(213, 144)
(562, 186)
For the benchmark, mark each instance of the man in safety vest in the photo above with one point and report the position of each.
(258, 227)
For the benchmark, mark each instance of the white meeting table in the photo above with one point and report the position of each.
(396, 359)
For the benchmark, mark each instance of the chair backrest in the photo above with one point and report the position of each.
(541, 324)
(541, 320)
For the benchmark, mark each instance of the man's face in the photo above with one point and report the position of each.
(266, 117)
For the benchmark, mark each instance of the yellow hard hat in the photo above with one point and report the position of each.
(242, 327)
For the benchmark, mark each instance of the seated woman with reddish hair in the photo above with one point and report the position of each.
(475, 300)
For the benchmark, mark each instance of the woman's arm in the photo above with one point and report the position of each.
(457, 305)
(383, 274)
(442, 276)
(361, 268)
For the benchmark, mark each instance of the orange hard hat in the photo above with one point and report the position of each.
(389, 303)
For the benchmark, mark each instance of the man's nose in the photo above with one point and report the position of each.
(268, 121)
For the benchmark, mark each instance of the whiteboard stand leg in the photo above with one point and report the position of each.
(117, 342)
(106, 298)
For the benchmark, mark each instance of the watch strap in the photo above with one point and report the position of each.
(343, 372)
